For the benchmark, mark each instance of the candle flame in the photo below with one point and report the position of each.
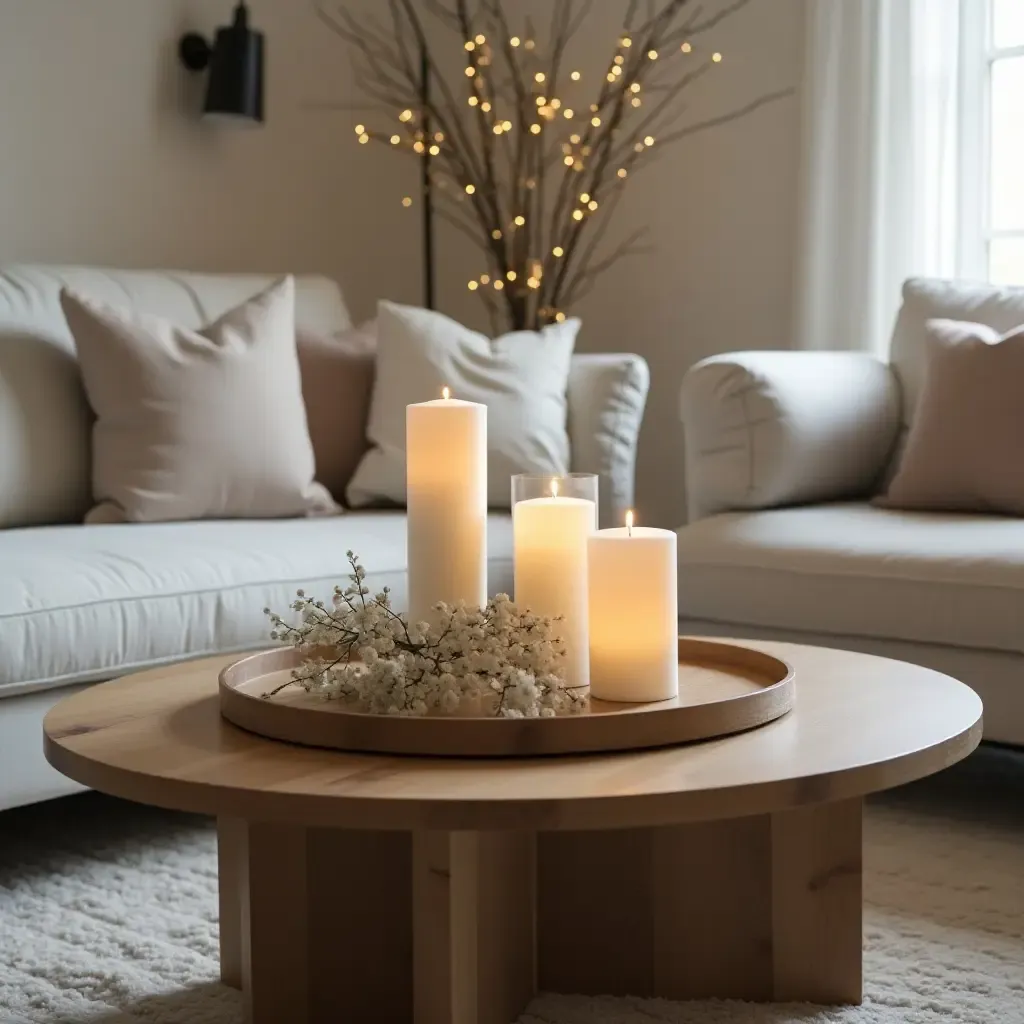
(554, 488)
(629, 522)
(445, 394)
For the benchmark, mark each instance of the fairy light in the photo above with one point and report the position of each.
(530, 44)
(535, 129)
(532, 282)
(558, 252)
(435, 150)
(407, 201)
(480, 40)
(540, 77)
(639, 147)
(496, 234)
(485, 278)
(418, 146)
(469, 45)
(596, 122)
(396, 140)
(519, 221)
(584, 197)
(578, 165)
(636, 101)
(575, 76)
(498, 284)
(473, 285)
(635, 87)
(560, 317)
(652, 54)
(497, 129)
(609, 77)
(541, 100)
(470, 189)
(473, 101)
(686, 47)
(592, 205)
(622, 172)
(616, 71)
(364, 139)
(626, 42)
(577, 215)
(648, 140)
(485, 106)
(574, 139)
(470, 71)
(594, 108)
(555, 104)
(360, 129)
(511, 275)
(568, 113)
(568, 161)
(619, 59)
(507, 125)
(514, 41)
(405, 116)
(439, 136)
(717, 58)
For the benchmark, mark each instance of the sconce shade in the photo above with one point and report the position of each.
(235, 62)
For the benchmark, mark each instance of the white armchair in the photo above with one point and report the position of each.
(783, 453)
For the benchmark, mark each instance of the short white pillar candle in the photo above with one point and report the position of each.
(446, 495)
(550, 560)
(634, 616)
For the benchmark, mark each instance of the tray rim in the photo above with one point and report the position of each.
(463, 736)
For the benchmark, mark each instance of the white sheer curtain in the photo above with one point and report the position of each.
(880, 163)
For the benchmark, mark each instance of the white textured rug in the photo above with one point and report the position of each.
(108, 916)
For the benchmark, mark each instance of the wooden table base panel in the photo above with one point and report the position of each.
(320, 925)
(766, 908)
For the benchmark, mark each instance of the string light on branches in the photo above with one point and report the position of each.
(498, 284)
(364, 139)
(539, 77)
(652, 54)
(626, 42)
(568, 113)
(405, 116)
(577, 215)
(648, 140)
(514, 41)
(716, 57)
(686, 47)
(396, 140)
(558, 252)
(360, 129)
(596, 122)
(511, 275)
(575, 76)
(469, 44)
(473, 285)
(480, 40)
(520, 221)
(473, 101)
(622, 172)
(407, 201)
(470, 189)
(535, 129)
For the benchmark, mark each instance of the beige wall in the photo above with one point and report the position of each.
(102, 160)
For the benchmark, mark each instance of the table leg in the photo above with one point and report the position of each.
(473, 926)
(322, 925)
(761, 908)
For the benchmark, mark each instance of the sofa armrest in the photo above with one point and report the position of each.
(607, 395)
(776, 428)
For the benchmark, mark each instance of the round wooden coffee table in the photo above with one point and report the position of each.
(362, 887)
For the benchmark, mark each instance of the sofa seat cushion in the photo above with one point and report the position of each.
(89, 603)
(856, 570)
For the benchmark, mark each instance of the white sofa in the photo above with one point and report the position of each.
(784, 449)
(79, 604)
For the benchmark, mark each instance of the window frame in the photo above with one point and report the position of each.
(978, 55)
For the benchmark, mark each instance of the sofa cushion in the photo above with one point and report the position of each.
(88, 603)
(45, 420)
(856, 570)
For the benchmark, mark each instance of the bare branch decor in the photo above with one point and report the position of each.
(517, 158)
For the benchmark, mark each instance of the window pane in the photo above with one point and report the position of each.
(1008, 22)
(1007, 182)
(1006, 261)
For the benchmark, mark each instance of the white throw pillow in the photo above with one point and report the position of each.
(521, 377)
(205, 424)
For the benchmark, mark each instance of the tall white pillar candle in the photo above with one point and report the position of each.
(446, 494)
(550, 539)
(634, 617)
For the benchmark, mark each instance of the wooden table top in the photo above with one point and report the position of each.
(860, 724)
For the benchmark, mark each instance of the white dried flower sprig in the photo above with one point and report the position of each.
(495, 660)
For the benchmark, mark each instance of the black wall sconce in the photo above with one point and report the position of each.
(235, 63)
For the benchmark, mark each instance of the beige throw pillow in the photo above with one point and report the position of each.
(337, 381)
(196, 424)
(965, 449)
(521, 377)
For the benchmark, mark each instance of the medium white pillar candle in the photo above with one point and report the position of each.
(446, 494)
(634, 617)
(550, 539)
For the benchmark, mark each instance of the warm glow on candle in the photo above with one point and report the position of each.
(554, 488)
(629, 522)
(446, 394)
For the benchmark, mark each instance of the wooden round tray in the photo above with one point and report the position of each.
(723, 688)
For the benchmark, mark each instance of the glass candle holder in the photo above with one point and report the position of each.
(553, 518)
